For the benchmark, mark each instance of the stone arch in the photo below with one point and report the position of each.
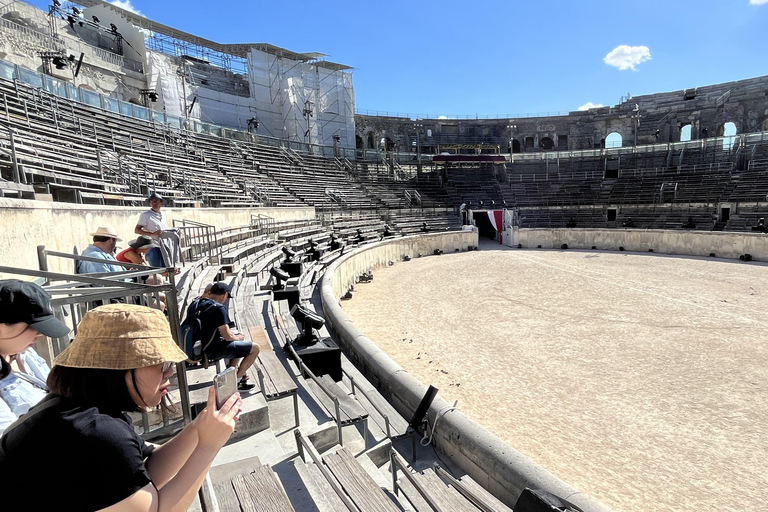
(613, 140)
(546, 143)
(685, 132)
(371, 141)
(516, 143)
(358, 142)
(728, 132)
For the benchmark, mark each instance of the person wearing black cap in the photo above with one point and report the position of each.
(25, 315)
(214, 320)
(152, 223)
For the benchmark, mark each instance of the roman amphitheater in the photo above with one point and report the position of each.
(583, 290)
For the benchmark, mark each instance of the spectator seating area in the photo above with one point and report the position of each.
(306, 441)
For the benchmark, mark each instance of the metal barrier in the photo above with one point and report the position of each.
(73, 295)
(199, 239)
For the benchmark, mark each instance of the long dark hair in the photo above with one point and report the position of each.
(93, 387)
(5, 368)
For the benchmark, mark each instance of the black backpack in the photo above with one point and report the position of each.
(191, 330)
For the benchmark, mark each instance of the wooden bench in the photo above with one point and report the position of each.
(245, 485)
(348, 479)
(274, 380)
(426, 491)
(341, 407)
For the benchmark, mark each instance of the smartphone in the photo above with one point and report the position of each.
(225, 384)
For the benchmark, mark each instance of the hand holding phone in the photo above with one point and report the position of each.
(225, 384)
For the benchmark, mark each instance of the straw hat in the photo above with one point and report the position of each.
(121, 337)
(107, 231)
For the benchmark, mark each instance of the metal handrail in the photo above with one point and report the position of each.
(397, 462)
(76, 293)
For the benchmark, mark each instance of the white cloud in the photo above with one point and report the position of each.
(126, 4)
(588, 105)
(627, 57)
(758, 2)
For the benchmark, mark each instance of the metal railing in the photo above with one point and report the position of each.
(396, 462)
(199, 240)
(73, 295)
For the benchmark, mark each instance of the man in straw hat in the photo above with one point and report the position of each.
(79, 446)
(103, 247)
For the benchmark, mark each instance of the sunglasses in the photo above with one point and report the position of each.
(167, 366)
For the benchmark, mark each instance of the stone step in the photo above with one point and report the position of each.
(254, 416)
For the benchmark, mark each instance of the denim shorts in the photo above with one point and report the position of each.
(155, 257)
(229, 350)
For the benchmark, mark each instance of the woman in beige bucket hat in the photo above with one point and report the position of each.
(80, 445)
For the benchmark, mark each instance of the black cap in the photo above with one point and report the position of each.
(221, 288)
(22, 301)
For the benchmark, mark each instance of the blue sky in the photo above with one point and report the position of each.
(493, 57)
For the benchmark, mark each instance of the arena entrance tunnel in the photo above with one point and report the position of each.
(483, 224)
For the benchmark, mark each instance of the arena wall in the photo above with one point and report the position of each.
(62, 226)
(687, 243)
(494, 464)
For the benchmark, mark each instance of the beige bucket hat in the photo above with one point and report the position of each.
(121, 337)
(107, 231)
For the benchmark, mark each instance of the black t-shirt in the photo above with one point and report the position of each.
(68, 457)
(212, 316)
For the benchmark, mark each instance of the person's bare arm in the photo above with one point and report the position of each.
(228, 335)
(213, 428)
(167, 459)
(139, 230)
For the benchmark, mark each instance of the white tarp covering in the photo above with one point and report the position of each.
(164, 80)
(279, 91)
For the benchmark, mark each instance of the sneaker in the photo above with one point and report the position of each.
(244, 385)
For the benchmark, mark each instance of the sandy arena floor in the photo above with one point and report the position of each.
(639, 379)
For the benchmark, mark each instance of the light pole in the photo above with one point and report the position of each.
(636, 116)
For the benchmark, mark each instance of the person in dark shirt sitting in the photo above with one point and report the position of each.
(689, 224)
(629, 223)
(77, 450)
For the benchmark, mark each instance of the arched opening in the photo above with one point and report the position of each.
(728, 131)
(685, 133)
(358, 142)
(371, 143)
(516, 144)
(613, 140)
(546, 143)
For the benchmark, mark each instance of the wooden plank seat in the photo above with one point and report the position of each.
(243, 249)
(473, 491)
(422, 489)
(274, 380)
(359, 486)
(337, 402)
(380, 411)
(244, 486)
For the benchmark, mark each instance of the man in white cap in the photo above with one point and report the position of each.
(103, 247)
